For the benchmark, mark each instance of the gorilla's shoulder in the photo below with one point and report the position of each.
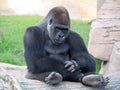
(34, 30)
(73, 35)
(33, 33)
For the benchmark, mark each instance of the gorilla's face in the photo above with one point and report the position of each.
(57, 31)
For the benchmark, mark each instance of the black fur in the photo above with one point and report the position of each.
(42, 55)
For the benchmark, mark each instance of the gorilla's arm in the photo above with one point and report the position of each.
(79, 53)
(34, 50)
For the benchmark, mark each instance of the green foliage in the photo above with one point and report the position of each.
(82, 28)
(13, 29)
(98, 65)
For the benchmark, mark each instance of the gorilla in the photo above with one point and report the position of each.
(54, 53)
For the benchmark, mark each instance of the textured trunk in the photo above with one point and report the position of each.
(12, 78)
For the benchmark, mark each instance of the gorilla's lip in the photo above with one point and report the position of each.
(57, 41)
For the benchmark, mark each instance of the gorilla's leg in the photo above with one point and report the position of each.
(51, 78)
(89, 79)
(40, 77)
(95, 80)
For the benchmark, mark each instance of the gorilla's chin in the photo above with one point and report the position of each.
(58, 42)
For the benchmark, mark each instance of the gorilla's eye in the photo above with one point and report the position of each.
(50, 22)
(62, 28)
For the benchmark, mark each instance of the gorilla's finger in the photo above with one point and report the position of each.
(68, 64)
(71, 68)
(52, 74)
(102, 79)
(107, 79)
(46, 80)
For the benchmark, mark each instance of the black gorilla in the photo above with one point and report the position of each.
(54, 53)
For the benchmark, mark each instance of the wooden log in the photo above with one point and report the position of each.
(13, 76)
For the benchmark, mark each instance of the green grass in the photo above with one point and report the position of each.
(13, 29)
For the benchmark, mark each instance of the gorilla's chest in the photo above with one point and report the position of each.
(56, 49)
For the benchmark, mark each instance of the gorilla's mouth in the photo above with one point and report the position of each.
(57, 41)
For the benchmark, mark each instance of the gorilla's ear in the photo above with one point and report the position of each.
(50, 21)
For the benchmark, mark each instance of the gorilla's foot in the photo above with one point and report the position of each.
(95, 80)
(53, 78)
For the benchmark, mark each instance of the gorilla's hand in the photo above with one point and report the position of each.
(71, 66)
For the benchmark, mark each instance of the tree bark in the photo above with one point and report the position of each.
(12, 78)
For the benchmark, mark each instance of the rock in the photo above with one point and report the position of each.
(105, 30)
(12, 78)
(113, 65)
(104, 67)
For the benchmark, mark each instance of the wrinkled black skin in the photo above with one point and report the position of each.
(44, 55)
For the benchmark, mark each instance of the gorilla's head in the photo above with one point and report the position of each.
(58, 25)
